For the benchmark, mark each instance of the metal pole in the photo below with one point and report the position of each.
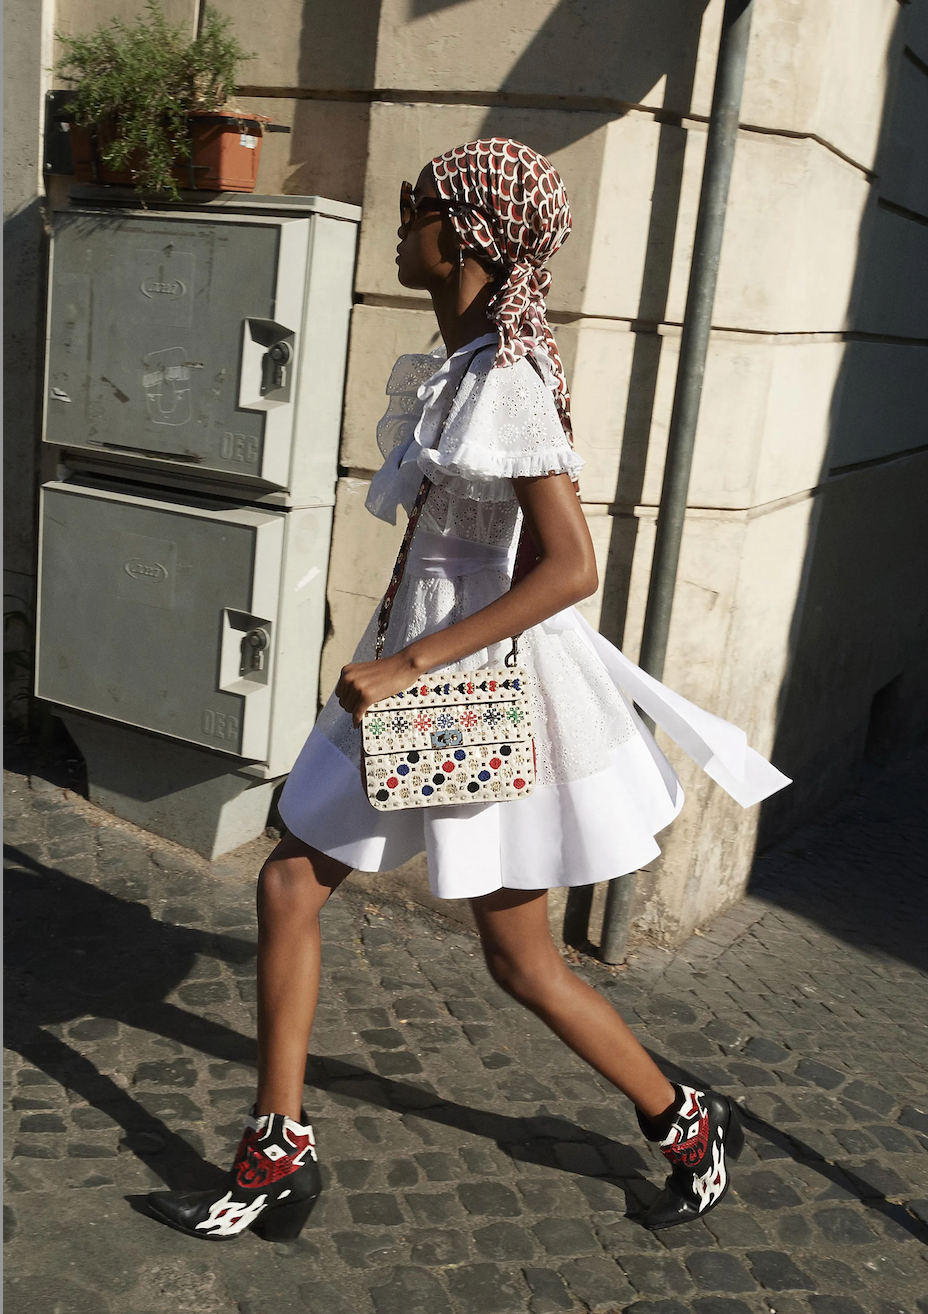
(694, 345)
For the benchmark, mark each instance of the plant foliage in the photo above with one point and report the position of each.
(137, 82)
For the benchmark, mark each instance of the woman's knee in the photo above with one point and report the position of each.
(287, 887)
(527, 978)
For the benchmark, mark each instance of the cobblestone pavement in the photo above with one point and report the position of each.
(473, 1166)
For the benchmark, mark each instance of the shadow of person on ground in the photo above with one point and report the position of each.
(75, 949)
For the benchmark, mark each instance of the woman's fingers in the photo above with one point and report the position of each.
(363, 683)
(343, 692)
(350, 697)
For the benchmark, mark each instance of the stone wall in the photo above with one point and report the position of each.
(26, 38)
(800, 610)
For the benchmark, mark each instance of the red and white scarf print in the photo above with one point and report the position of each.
(522, 217)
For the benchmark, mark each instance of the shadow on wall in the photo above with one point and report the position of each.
(23, 328)
(856, 690)
(328, 145)
(625, 50)
(856, 693)
(607, 52)
(615, 50)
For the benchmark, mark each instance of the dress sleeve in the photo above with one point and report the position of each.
(502, 426)
(406, 379)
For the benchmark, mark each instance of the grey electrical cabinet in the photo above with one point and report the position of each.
(195, 363)
(204, 342)
(203, 623)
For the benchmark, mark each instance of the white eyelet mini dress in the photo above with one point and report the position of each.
(603, 788)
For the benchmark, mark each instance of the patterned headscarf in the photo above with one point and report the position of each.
(522, 218)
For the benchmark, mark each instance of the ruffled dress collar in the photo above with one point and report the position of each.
(413, 421)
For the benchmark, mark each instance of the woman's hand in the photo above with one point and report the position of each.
(363, 683)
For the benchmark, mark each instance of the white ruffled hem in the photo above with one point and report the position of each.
(575, 833)
(483, 474)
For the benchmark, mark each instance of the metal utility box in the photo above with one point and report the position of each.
(210, 344)
(194, 378)
(200, 622)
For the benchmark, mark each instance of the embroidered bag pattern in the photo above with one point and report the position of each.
(445, 741)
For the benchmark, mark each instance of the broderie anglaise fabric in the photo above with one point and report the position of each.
(578, 716)
(470, 433)
(406, 378)
(503, 425)
(494, 523)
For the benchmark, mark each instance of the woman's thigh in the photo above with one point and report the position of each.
(513, 927)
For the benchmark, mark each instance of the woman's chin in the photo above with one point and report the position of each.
(405, 279)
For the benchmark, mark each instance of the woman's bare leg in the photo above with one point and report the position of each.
(294, 883)
(523, 959)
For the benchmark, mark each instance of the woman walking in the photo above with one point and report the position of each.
(486, 420)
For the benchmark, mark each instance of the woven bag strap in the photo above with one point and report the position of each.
(399, 566)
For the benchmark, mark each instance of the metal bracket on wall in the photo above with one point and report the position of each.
(57, 136)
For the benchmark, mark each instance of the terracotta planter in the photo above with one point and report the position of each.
(225, 148)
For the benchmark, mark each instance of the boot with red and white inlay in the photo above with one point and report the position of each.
(704, 1134)
(272, 1187)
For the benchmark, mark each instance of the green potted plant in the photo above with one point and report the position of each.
(152, 107)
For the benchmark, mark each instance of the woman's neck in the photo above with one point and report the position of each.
(461, 310)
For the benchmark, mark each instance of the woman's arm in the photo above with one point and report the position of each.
(566, 573)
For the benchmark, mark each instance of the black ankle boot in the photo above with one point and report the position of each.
(272, 1187)
(704, 1134)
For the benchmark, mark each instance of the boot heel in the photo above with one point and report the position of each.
(734, 1136)
(284, 1222)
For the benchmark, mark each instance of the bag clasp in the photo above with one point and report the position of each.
(447, 739)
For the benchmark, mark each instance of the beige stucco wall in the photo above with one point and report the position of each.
(817, 364)
(798, 595)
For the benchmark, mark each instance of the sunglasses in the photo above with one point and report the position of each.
(412, 206)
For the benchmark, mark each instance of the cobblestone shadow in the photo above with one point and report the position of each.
(870, 856)
(472, 1164)
(81, 948)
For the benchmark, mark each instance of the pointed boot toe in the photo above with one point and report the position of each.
(207, 1215)
(705, 1134)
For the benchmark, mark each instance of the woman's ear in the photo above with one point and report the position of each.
(493, 273)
